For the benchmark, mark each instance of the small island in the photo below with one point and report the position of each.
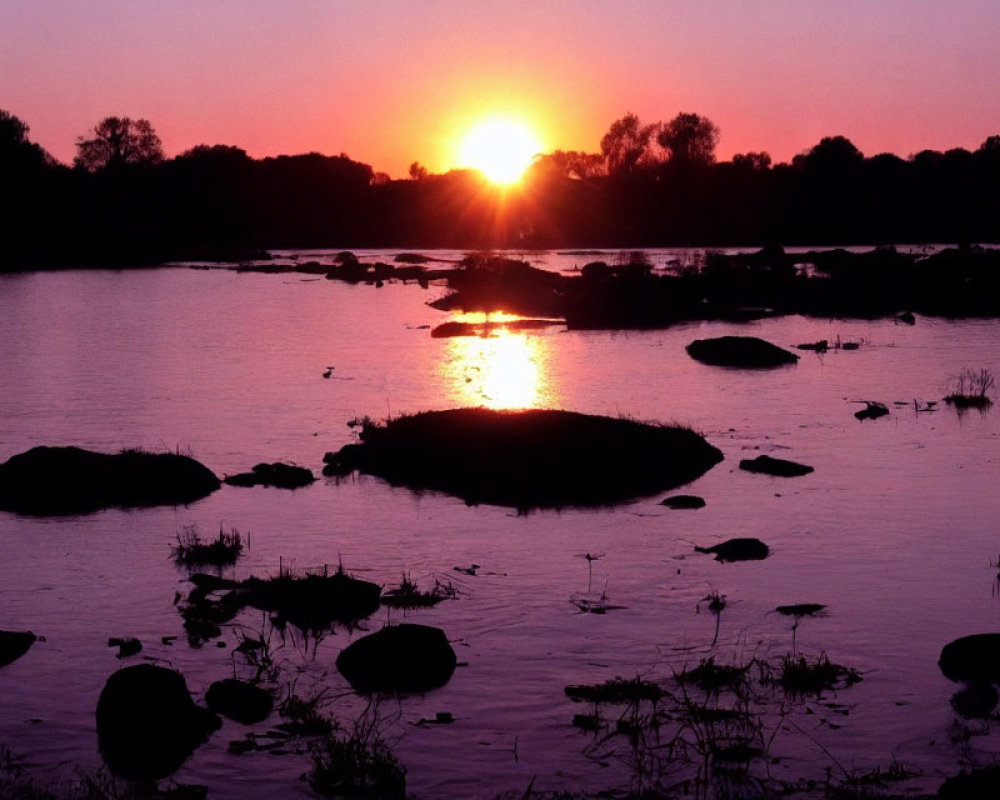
(528, 459)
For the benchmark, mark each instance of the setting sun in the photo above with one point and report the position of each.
(501, 149)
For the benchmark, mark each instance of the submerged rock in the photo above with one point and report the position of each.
(67, 480)
(972, 658)
(147, 723)
(746, 549)
(528, 459)
(775, 466)
(239, 700)
(739, 351)
(684, 501)
(282, 476)
(399, 658)
(14, 644)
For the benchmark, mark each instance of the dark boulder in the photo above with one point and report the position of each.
(738, 550)
(147, 723)
(775, 466)
(282, 476)
(739, 351)
(683, 501)
(872, 410)
(239, 700)
(972, 658)
(980, 784)
(68, 480)
(14, 644)
(399, 658)
(528, 459)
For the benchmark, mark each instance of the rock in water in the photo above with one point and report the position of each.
(399, 658)
(70, 480)
(14, 644)
(738, 550)
(739, 351)
(775, 466)
(281, 476)
(972, 658)
(147, 723)
(239, 700)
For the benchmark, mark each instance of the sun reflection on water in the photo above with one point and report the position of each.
(502, 370)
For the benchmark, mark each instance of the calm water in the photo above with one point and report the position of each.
(894, 531)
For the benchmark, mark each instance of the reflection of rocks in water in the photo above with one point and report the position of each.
(312, 603)
(147, 723)
(14, 644)
(975, 701)
(399, 658)
(744, 549)
(67, 480)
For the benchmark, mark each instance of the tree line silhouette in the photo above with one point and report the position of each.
(123, 202)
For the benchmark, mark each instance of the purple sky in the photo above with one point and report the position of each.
(395, 81)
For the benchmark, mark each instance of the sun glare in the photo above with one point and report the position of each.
(501, 149)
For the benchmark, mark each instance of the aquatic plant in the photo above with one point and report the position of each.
(797, 612)
(358, 763)
(969, 389)
(802, 676)
(192, 551)
(716, 604)
(408, 595)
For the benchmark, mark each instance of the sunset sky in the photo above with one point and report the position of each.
(389, 82)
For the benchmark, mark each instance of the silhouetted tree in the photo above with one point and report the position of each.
(753, 161)
(570, 164)
(626, 144)
(13, 131)
(116, 141)
(689, 139)
(417, 171)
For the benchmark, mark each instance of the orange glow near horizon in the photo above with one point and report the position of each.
(502, 149)
(499, 371)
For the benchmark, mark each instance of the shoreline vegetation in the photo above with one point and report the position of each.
(124, 203)
(629, 291)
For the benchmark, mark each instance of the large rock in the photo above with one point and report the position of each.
(147, 723)
(14, 644)
(67, 480)
(239, 700)
(972, 658)
(399, 658)
(528, 459)
(979, 784)
(739, 351)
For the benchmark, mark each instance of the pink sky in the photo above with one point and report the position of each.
(394, 81)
